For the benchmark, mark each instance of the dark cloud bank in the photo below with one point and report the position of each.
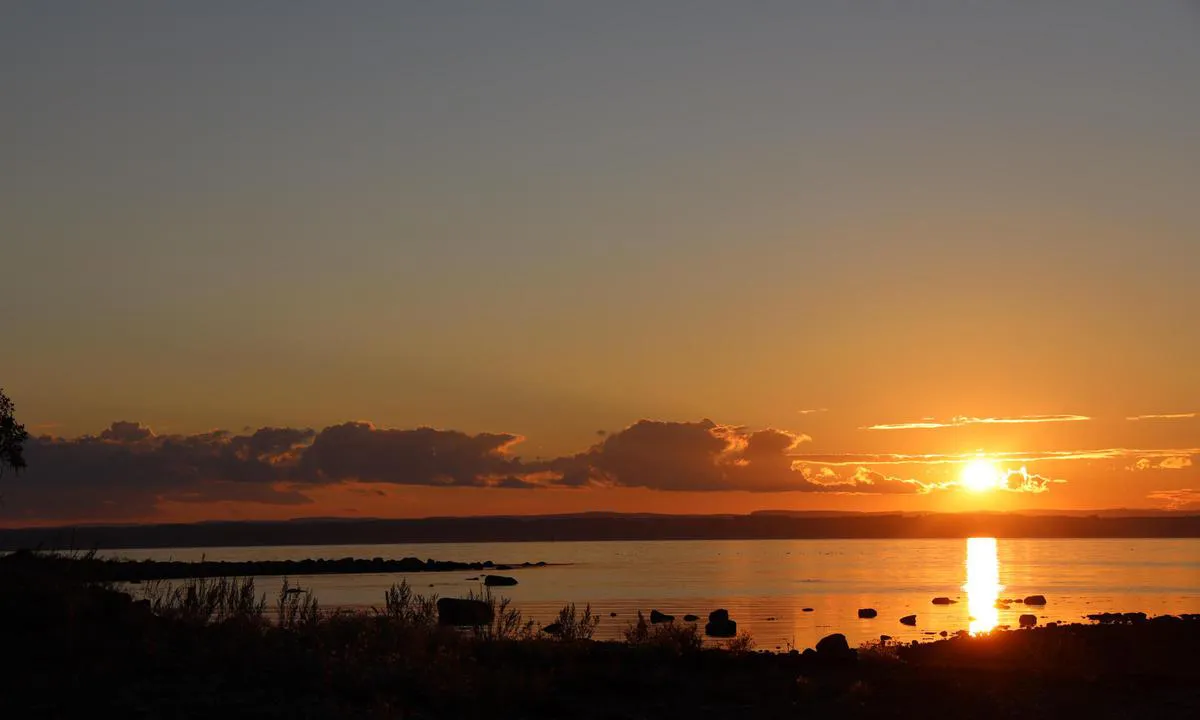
(128, 470)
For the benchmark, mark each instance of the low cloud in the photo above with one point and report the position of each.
(1163, 416)
(1181, 499)
(422, 456)
(1021, 480)
(1172, 455)
(128, 471)
(963, 421)
(1170, 462)
(693, 456)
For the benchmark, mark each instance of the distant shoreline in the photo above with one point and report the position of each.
(596, 527)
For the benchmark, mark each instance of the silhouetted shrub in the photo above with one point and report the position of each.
(575, 625)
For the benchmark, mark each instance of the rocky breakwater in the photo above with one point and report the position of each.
(107, 570)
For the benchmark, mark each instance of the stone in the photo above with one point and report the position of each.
(499, 580)
(553, 629)
(908, 620)
(1027, 620)
(719, 624)
(835, 647)
(943, 601)
(691, 618)
(806, 609)
(867, 613)
(1035, 600)
(657, 617)
(464, 613)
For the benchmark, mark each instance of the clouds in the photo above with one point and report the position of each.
(422, 456)
(1164, 416)
(1179, 499)
(963, 421)
(703, 456)
(1168, 462)
(128, 471)
(1152, 457)
(1021, 480)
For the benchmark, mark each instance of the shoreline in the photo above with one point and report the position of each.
(219, 649)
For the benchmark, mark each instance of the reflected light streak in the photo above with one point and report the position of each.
(983, 584)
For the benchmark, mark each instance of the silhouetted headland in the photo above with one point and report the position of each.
(608, 526)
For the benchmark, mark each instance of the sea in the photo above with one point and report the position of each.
(786, 594)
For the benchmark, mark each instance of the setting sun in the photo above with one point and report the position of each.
(980, 476)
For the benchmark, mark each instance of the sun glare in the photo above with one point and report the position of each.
(983, 583)
(980, 476)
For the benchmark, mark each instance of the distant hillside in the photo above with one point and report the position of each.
(604, 526)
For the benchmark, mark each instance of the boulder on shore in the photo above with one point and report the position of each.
(835, 647)
(867, 613)
(908, 620)
(1027, 620)
(943, 601)
(1035, 600)
(498, 580)
(464, 613)
(657, 617)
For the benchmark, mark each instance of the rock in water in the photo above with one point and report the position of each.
(464, 613)
(908, 620)
(719, 624)
(835, 647)
(1035, 600)
(498, 580)
(943, 601)
(1027, 620)
(867, 613)
(553, 629)
(691, 618)
(657, 617)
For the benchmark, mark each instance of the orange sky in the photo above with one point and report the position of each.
(1065, 461)
(527, 225)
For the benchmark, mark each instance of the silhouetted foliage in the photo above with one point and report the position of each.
(86, 649)
(12, 436)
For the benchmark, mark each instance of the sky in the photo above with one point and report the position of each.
(673, 256)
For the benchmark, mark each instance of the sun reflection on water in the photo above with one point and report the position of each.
(983, 584)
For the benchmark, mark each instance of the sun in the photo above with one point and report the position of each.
(980, 476)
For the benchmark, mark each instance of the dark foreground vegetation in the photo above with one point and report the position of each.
(209, 647)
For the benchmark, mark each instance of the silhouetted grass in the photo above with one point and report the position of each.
(202, 649)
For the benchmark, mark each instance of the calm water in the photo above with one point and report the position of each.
(765, 584)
